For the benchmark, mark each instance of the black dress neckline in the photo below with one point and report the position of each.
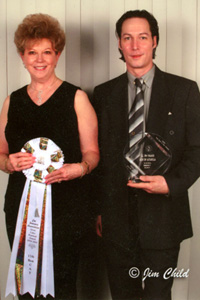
(48, 100)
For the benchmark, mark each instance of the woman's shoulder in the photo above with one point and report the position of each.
(19, 92)
(68, 91)
(70, 86)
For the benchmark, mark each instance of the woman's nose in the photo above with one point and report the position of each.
(39, 57)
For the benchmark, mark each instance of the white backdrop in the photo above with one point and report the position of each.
(91, 57)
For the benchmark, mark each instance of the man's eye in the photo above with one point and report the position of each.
(143, 37)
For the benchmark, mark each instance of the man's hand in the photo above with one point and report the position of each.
(151, 184)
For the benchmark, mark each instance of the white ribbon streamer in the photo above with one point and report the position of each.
(11, 281)
(29, 277)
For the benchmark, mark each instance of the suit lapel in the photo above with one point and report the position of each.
(160, 104)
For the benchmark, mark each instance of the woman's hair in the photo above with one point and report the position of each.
(39, 26)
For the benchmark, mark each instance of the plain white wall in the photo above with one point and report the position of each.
(91, 57)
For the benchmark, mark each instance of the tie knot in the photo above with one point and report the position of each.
(138, 82)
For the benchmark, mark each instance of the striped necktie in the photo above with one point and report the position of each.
(136, 114)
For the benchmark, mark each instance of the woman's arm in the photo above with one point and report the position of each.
(4, 165)
(14, 162)
(88, 130)
(88, 135)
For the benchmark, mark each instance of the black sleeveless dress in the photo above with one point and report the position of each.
(72, 210)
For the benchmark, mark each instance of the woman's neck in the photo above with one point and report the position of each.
(40, 92)
(41, 86)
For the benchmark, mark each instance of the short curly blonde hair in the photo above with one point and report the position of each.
(39, 26)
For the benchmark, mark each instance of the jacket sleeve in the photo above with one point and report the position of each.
(183, 174)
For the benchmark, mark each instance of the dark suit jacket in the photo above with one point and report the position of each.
(163, 221)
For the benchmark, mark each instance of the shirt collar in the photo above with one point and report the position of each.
(148, 77)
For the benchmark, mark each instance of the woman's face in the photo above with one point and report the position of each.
(40, 59)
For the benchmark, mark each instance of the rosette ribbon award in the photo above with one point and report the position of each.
(149, 156)
(31, 264)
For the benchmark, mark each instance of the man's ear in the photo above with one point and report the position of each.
(154, 42)
(119, 44)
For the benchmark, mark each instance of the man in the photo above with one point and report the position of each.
(143, 223)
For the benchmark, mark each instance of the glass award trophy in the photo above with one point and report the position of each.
(149, 156)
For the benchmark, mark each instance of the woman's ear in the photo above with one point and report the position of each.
(22, 56)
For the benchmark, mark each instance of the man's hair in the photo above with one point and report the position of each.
(153, 24)
(39, 26)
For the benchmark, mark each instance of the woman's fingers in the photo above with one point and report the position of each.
(67, 172)
(20, 161)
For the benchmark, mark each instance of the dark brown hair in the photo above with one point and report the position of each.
(153, 24)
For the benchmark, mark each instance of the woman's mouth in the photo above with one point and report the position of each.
(40, 68)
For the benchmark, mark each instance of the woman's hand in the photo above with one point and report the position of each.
(19, 161)
(65, 173)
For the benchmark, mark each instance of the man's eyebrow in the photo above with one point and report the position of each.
(141, 33)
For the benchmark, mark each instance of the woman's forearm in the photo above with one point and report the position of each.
(90, 161)
(4, 163)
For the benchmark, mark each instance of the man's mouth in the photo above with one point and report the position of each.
(136, 56)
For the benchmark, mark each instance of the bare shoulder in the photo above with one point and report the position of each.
(83, 106)
(3, 121)
(81, 100)
(7, 100)
(5, 105)
(81, 95)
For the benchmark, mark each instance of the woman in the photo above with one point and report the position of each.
(59, 111)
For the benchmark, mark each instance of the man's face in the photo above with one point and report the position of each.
(137, 45)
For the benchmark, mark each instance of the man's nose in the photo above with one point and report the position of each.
(134, 44)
